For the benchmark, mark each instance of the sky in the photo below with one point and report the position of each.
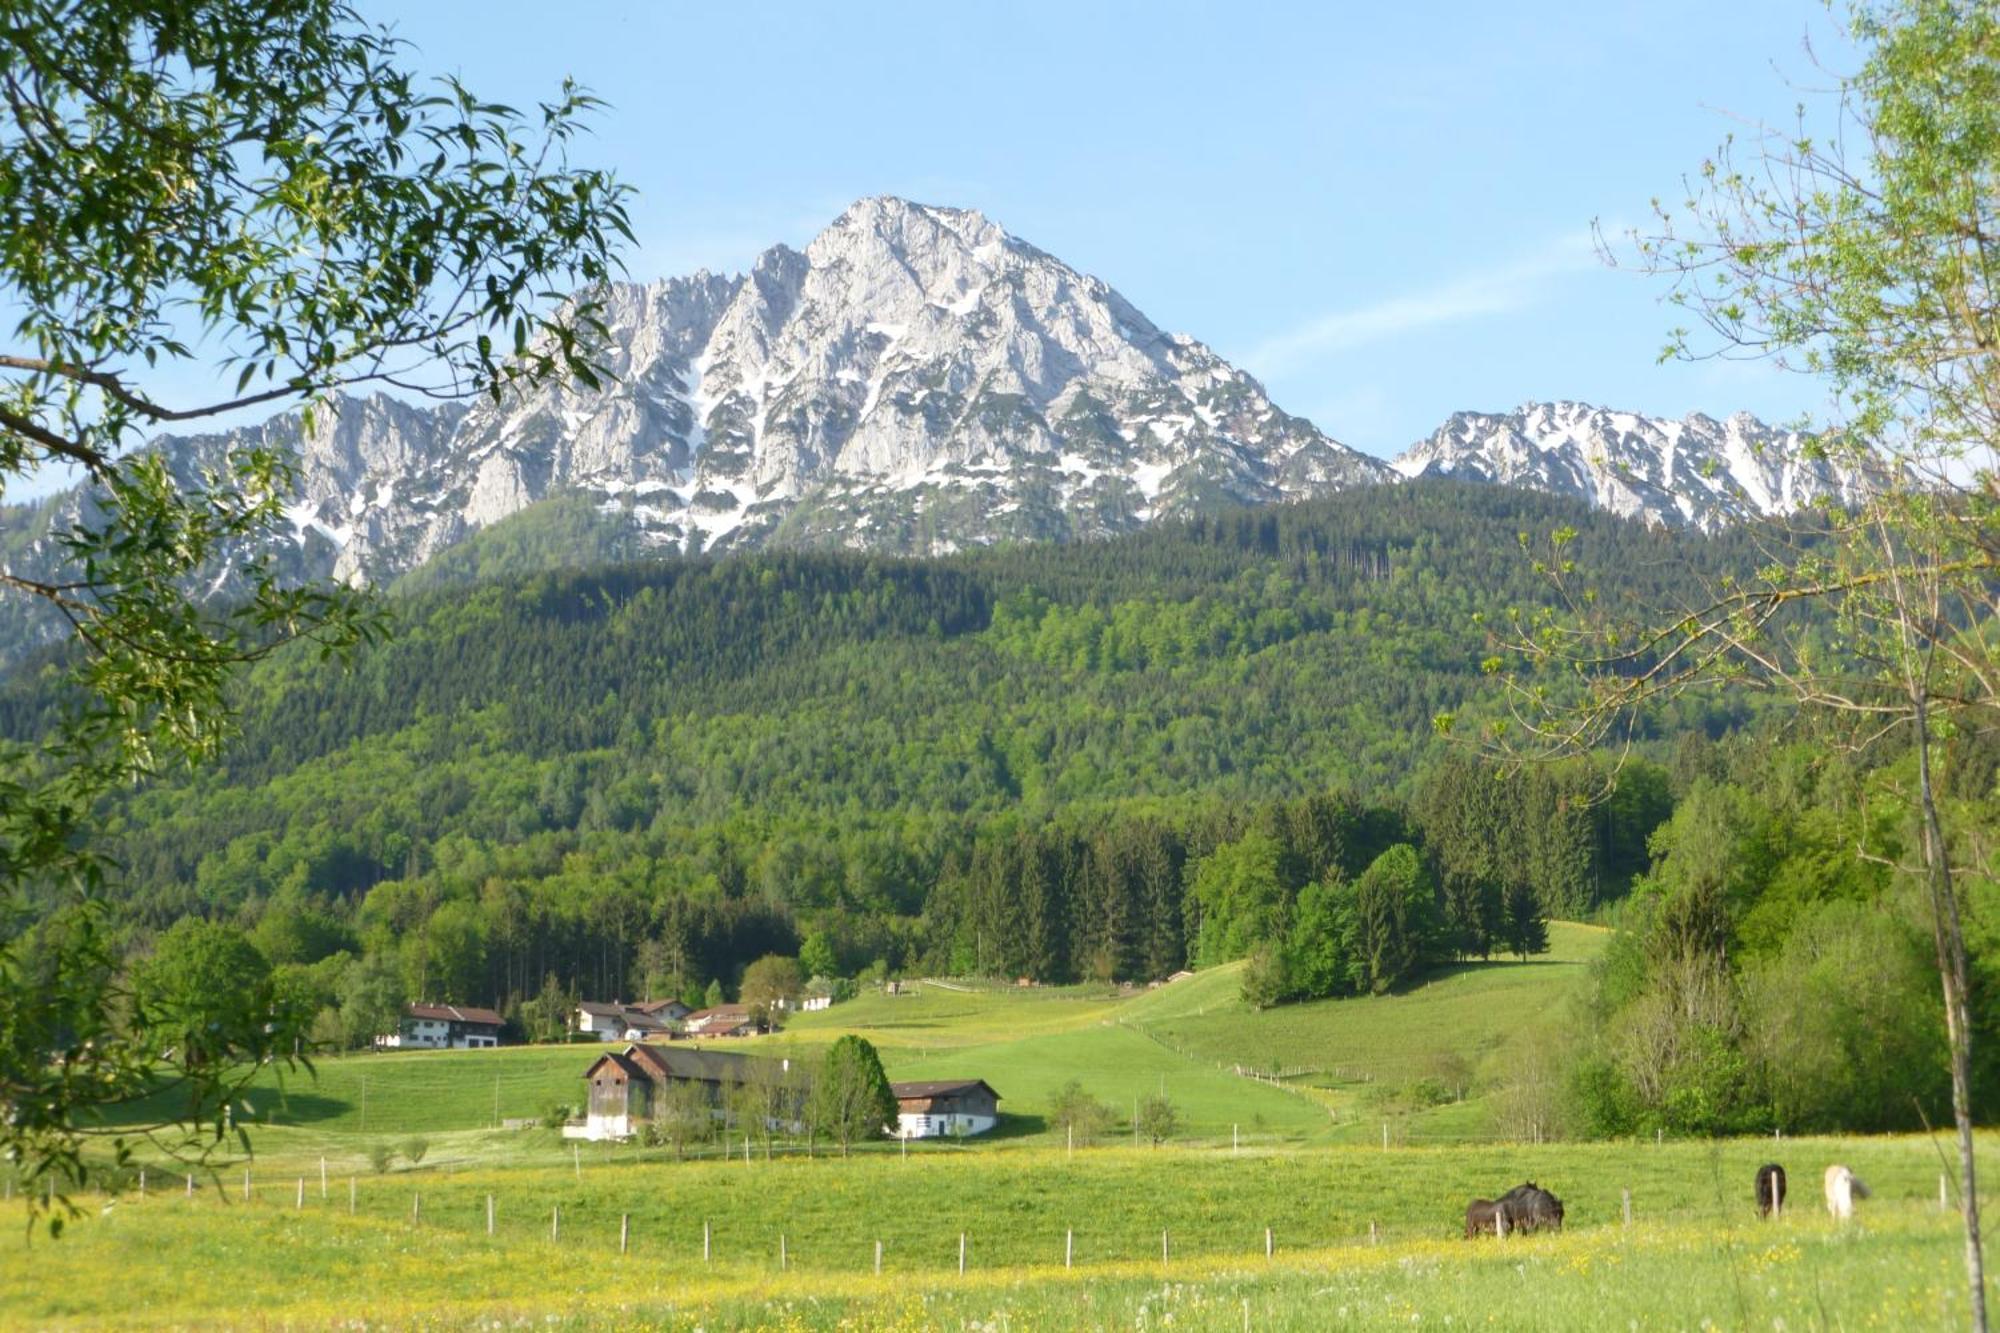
(1383, 211)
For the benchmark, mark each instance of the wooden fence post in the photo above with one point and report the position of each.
(1625, 1205)
(961, 1254)
(417, 1207)
(190, 1190)
(1269, 1248)
(1385, 1136)
(1163, 1247)
(142, 1185)
(246, 1184)
(704, 1240)
(489, 1214)
(1777, 1201)
(322, 1177)
(350, 1196)
(1374, 1236)
(1069, 1246)
(784, 1260)
(555, 1222)
(624, 1232)
(1500, 1222)
(302, 1193)
(1235, 1139)
(878, 1258)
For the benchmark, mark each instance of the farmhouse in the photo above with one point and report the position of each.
(724, 1020)
(441, 1026)
(626, 1087)
(952, 1106)
(631, 1022)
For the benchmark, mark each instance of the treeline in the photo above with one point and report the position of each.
(1776, 970)
(642, 777)
(1326, 894)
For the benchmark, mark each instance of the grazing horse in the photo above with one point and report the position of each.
(1843, 1187)
(1532, 1208)
(1482, 1218)
(1770, 1189)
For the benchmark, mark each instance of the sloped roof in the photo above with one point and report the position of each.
(625, 1064)
(451, 1013)
(656, 1064)
(923, 1091)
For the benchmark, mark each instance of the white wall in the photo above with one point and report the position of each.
(911, 1126)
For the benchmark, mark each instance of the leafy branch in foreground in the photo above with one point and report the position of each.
(263, 189)
(1871, 259)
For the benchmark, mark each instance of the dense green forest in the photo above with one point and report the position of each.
(1209, 741)
(648, 774)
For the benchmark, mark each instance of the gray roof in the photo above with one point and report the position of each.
(680, 1061)
(939, 1088)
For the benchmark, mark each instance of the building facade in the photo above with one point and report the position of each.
(443, 1027)
(944, 1109)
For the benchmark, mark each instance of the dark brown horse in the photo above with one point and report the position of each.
(1770, 1189)
(1482, 1218)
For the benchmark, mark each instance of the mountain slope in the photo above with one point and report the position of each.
(1697, 472)
(916, 380)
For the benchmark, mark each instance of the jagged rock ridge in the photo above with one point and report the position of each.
(916, 380)
(1697, 472)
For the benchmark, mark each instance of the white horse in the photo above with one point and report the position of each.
(1843, 1187)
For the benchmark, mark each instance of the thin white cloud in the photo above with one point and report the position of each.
(1498, 291)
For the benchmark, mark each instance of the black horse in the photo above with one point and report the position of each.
(1532, 1208)
(1770, 1189)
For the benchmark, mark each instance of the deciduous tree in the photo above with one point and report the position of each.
(262, 191)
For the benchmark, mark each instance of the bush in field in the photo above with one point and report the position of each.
(1158, 1120)
(380, 1155)
(1077, 1115)
(414, 1150)
(557, 1115)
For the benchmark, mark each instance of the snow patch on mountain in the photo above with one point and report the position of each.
(1696, 472)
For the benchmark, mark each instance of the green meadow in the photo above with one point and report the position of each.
(1361, 1237)
(309, 1229)
(1194, 1039)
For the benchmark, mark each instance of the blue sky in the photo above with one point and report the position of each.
(1381, 210)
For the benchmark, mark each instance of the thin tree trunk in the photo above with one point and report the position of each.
(1949, 936)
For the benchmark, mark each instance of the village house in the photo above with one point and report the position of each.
(626, 1087)
(443, 1026)
(942, 1108)
(618, 1021)
(724, 1020)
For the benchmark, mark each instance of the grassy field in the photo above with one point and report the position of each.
(1190, 1039)
(1362, 1236)
(415, 1251)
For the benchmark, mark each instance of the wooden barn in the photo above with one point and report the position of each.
(626, 1087)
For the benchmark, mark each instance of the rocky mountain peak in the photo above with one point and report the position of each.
(1695, 472)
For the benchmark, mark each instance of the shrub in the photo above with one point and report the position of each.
(380, 1155)
(414, 1149)
(1077, 1114)
(1158, 1120)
